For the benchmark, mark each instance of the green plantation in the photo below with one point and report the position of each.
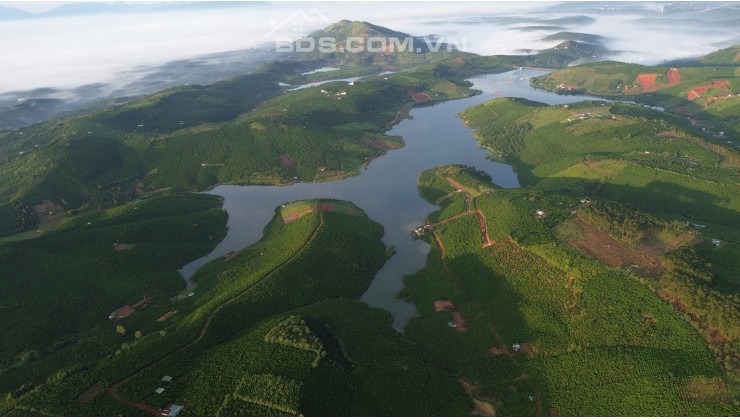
(669, 192)
(605, 285)
(278, 316)
(598, 150)
(584, 329)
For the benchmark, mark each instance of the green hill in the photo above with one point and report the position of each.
(547, 329)
(269, 330)
(706, 91)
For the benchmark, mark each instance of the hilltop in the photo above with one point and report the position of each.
(389, 49)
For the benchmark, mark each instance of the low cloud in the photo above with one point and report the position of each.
(118, 49)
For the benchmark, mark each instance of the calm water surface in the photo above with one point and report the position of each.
(387, 188)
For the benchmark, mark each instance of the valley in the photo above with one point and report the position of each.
(576, 250)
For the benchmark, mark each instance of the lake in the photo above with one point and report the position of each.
(387, 188)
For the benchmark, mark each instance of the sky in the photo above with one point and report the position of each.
(115, 48)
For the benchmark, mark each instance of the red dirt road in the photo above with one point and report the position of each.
(502, 348)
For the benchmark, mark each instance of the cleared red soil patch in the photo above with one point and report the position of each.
(554, 412)
(139, 187)
(285, 160)
(419, 96)
(647, 79)
(165, 316)
(612, 252)
(333, 208)
(122, 247)
(89, 393)
(699, 90)
(295, 215)
(443, 305)
(127, 310)
(459, 319)
(528, 349)
(123, 312)
(673, 76)
(571, 87)
(497, 351)
(327, 207)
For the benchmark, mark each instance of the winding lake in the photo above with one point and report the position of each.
(387, 188)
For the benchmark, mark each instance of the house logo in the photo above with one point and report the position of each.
(296, 22)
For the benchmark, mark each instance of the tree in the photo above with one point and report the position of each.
(120, 329)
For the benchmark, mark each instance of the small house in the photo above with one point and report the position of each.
(172, 410)
(159, 390)
(452, 324)
(716, 242)
(167, 378)
(516, 347)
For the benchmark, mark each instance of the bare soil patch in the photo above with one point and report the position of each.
(287, 218)
(647, 79)
(461, 325)
(121, 247)
(89, 393)
(673, 76)
(126, 310)
(419, 96)
(697, 91)
(498, 350)
(327, 207)
(443, 305)
(553, 412)
(166, 316)
(612, 252)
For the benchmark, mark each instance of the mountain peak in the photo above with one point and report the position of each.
(346, 28)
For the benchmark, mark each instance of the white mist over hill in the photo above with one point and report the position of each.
(114, 46)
